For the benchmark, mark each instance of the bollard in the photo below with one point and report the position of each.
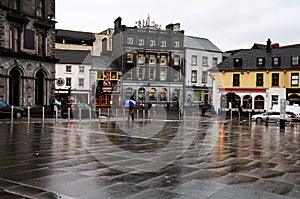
(108, 114)
(137, 115)
(90, 114)
(124, 114)
(69, 117)
(79, 114)
(56, 113)
(282, 124)
(43, 116)
(12, 114)
(117, 114)
(143, 115)
(99, 114)
(28, 115)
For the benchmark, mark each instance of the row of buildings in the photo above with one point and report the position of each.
(155, 65)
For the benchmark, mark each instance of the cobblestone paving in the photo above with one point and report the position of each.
(111, 160)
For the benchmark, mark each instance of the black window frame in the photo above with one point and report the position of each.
(260, 61)
(235, 79)
(273, 61)
(294, 74)
(275, 79)
(259, 79)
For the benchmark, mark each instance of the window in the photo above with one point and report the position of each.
(163, 60)
(276, 61)
(152, 43)
(259, 79)
(29, 39)
(129, 58)
(294, 79)
(275, 79)
(236, 80)
(129, 40)
(214, 61)
(68, 81)
(194, 60)
(14, 4)
(204, 61)
(237, 62)
(194, 76)
(41, 41)
(176, 75)
(81, 69)
(275, 99)
(140, 73)
(152, 73)
(295, 61)
(204, 76)
(81, 82)
(40, 8)
(163, 74)
(14, 38)
(128, 74)
(177, 44)
(141, 58)
(259, 102)
(68, 69)
(141, 42)
(163, 44)
(260, 61)
(176, 60)
(152, 59)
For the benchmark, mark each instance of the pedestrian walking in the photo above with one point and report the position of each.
(131, 108)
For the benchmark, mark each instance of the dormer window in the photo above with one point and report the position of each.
(237, 62)
(260, 61)
(295, 61)
(276, 61)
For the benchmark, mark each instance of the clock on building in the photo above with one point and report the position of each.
(60, 82)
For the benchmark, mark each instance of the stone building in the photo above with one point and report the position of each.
(27, 58)
(151, 62)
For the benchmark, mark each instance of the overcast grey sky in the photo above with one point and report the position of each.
(229, 24)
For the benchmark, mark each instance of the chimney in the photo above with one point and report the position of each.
(276, 45)
(269, 47)
(170, 26)
(118, 23)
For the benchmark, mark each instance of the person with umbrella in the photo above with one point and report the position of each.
(130, 104)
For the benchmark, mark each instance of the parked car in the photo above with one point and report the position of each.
(74, 111)
(272, 116)
(5, 111)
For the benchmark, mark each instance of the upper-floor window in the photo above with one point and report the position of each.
(130, 40)
(176, 44)
(163, 44)
(40, 8)
(152, 73)
(294, 79)
(141, 58)
(295, 61)
(152, 59)
(194, 60)
(140, 73)
(68, 68)
(163, 60)
(275, 79)
(204, 76)
(163, 73)
(194, 76)
(141, 42)
(259, 79)
(68, 81)
(275, 61)
(176, 60)
(214, 61)
(204, 61)
(129, 57)
(81, 69)
(29, 39)
(237, 62)
(81, 82)
(260, 61)
(14, 4)
(14, 39)
(236, 80)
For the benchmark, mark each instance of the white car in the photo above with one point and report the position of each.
(272, 116)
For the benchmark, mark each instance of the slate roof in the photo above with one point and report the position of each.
(249, 59)
(200, 43)
(73, 56)
(75, 35)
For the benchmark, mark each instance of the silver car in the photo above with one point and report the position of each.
(272, 116)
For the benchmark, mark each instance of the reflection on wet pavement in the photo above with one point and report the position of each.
(119, 160)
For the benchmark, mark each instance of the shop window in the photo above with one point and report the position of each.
(259, 102)
(247, 102)
(141, 95)
(152, 94)
(163, 94)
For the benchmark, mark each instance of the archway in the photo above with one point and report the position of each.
(259, 102)
(40, 88)
(294, 99)
(15, 87)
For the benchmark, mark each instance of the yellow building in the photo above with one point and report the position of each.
(256, 79)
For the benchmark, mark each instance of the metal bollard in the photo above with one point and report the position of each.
(79, 114)
(99, 114)
(69, 116)
(28, 115)
(43, 116)
(56, 113)
(90, 114)
(12, 114)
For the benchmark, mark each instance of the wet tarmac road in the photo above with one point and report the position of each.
(208, 158)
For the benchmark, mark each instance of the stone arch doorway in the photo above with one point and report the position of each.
(40, 88)
(15, 87)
